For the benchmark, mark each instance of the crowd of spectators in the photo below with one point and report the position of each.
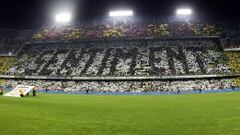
(125, 86)
(228, 31)
(122, 30)
(123, 58)
(237, 82)
(234, 61)
(12, 40)
(5, 64)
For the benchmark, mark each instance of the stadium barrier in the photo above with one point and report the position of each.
(130, 78)
(122, 39)
(232, 50)
(144, 93)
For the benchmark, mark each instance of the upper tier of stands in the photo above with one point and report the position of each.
(229, 32)
(11, 40)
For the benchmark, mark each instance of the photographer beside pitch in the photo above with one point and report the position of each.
(34, 92)
(1, 91)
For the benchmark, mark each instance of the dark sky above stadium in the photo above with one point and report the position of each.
(34, 13)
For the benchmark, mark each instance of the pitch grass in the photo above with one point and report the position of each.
(217, 114)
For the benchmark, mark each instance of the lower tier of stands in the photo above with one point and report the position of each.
(127, 86)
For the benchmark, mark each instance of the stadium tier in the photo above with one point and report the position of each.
(170, 57)
(124, 57)
(229, 32)
(124, 86)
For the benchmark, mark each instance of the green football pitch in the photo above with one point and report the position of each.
(215, 114)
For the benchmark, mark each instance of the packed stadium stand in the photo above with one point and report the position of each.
(123, 30)
(127, 86)
(228, 31)
(123, 57)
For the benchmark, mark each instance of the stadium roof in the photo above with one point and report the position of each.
(34, 13)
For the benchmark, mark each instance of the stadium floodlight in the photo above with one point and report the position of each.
(184, 12)
(121, 13)
(63, 18)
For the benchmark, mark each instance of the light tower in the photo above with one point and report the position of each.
(184, 14)
(63, 18)
(120, 14)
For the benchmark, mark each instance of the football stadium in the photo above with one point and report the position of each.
(94, 68)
